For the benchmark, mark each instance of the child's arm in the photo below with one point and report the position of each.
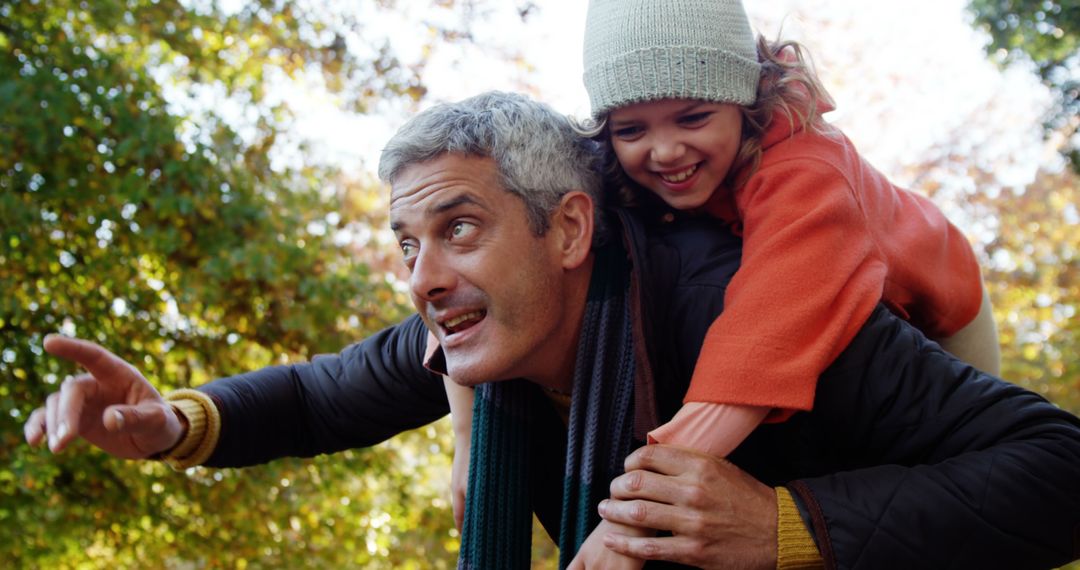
(716, 429)
(825, 237)
(461, 408)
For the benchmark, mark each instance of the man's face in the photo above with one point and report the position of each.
(488, 288)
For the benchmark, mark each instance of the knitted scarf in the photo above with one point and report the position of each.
(497, 533)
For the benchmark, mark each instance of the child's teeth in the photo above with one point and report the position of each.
(680, 176)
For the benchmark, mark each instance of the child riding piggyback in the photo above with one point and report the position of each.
(698, 113)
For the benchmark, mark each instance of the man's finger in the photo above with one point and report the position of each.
(34, 429)
(104, 365)
(73, 394)
(664, 459)
(669, 548)
(642, 514)
(142, 418)
(641, 484)
(52, 404)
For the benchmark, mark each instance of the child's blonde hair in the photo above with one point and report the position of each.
(788, 85)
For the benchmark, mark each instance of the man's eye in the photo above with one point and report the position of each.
(461, 230)
(408, 249)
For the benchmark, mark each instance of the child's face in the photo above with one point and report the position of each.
(680, 149)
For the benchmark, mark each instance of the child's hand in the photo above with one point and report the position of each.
(459, 477)
(595, 556)
(461, 404)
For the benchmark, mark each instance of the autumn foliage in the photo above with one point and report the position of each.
(139, 208)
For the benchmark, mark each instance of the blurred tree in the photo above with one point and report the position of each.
(135, 210)
(1030, 254)
(1034, 271)
(1046, 33)
(1020, 209)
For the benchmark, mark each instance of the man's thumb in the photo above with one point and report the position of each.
(134, 419)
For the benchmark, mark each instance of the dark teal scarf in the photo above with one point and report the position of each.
(497, 532)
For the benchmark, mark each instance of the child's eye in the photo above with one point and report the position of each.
(694, 118)
(627, 133)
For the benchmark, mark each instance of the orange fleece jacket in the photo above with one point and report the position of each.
(825, 238)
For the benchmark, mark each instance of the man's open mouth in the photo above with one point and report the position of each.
(462, 321)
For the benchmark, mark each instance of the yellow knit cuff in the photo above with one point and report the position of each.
(795, 548)
(204, 427)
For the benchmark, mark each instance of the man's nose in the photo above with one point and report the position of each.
(432, 277)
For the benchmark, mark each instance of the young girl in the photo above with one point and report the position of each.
(713, 123)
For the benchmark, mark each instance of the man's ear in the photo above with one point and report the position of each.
(573, 222)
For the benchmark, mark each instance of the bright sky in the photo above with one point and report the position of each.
(905, 75)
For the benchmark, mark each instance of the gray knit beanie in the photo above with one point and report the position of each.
(642, 50)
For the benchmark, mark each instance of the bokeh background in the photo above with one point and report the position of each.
(190, 183)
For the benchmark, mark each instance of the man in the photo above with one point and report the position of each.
(909, 459)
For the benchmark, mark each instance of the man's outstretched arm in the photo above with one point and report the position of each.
(361, 396)
(369, 392)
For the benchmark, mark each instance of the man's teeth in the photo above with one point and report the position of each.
(451, 323)
(680, 176)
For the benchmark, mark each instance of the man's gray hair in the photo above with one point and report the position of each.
(538, 155)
